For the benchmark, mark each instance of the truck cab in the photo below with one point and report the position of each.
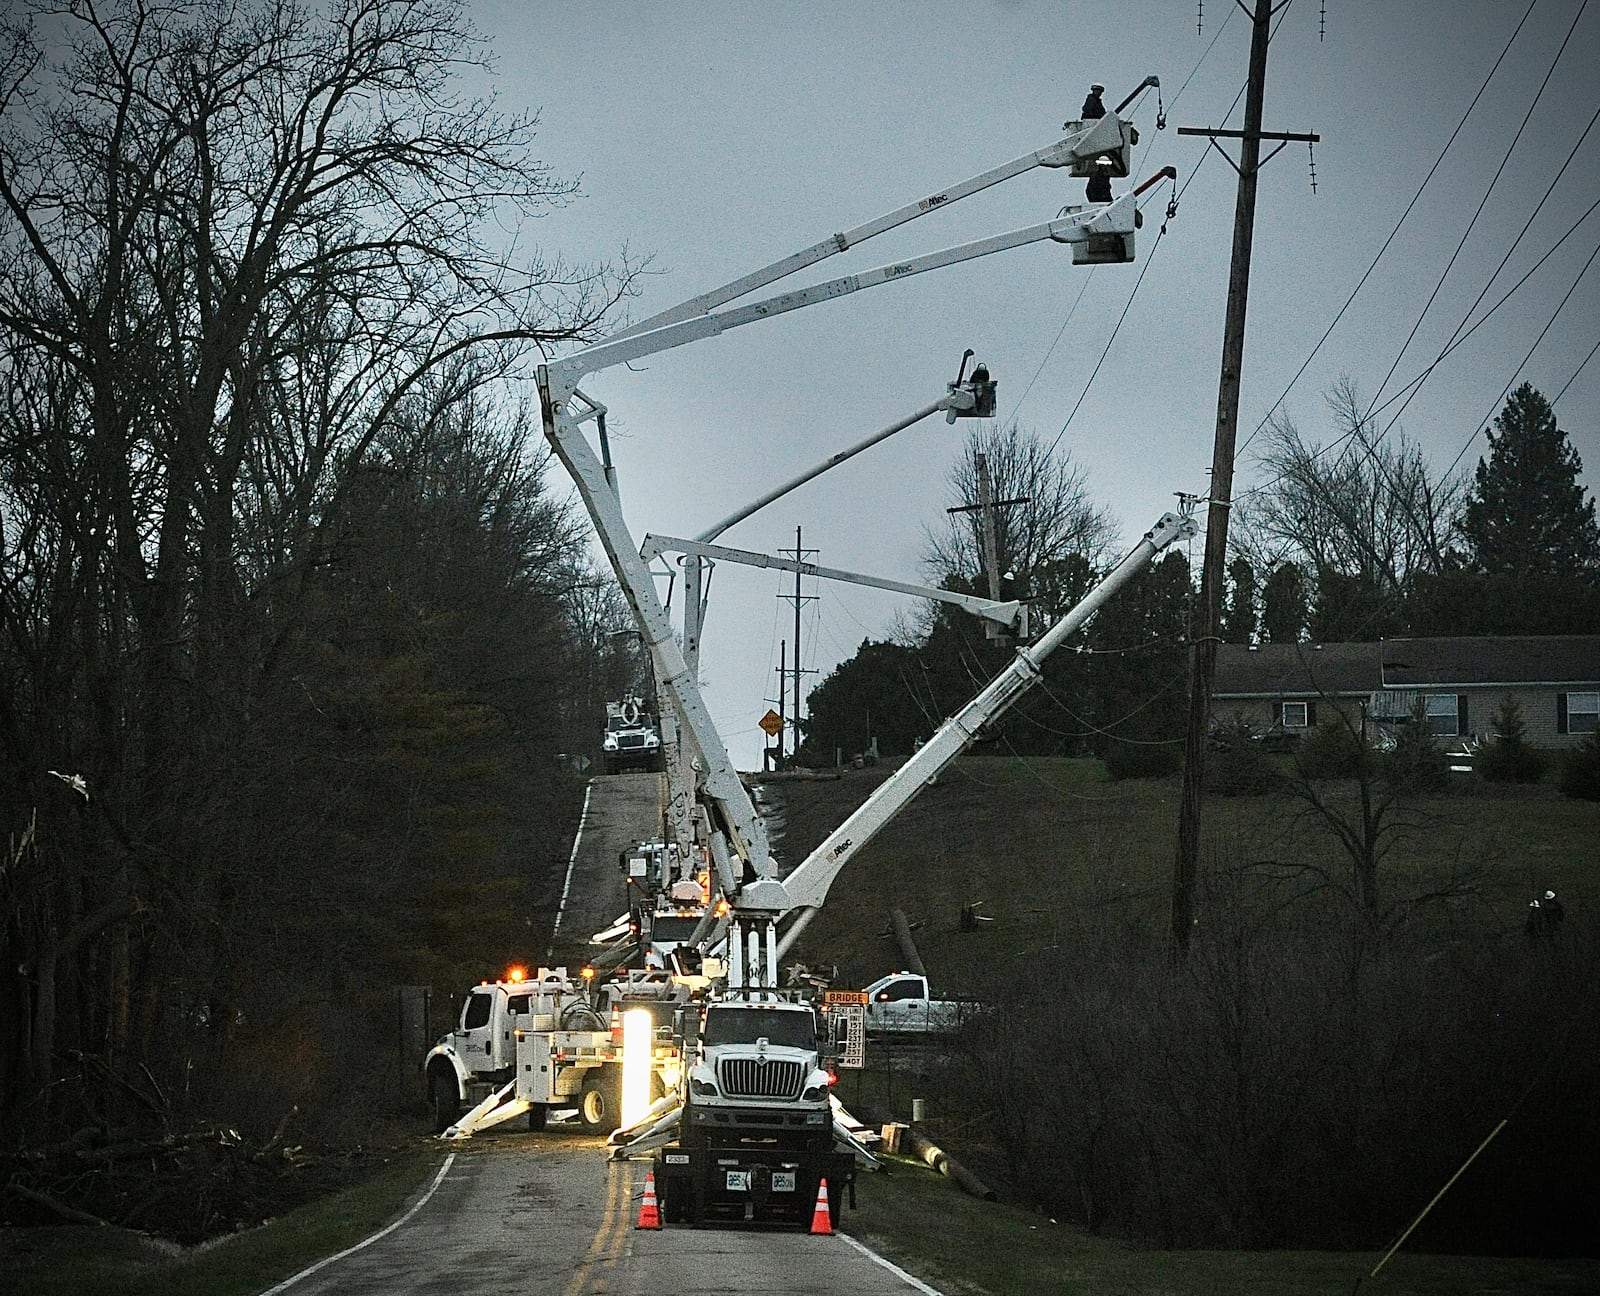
(632, 739)
(760, 1070)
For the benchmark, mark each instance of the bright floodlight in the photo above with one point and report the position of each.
(638, 1042)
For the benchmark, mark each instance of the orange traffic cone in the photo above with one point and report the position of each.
(822, 1217)
(649, 1212)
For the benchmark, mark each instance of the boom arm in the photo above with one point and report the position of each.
(1084, 227)
(1108, 135)
(1007, 614)
(807, 886)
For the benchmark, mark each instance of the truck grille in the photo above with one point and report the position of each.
(760, 1078)
(631, 740)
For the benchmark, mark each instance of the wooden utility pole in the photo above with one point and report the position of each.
(1203, 660)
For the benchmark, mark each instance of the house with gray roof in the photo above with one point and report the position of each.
(1458, 683)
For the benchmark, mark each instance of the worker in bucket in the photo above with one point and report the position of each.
(1092, 107)
(1098, 189)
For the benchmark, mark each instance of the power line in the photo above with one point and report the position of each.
(1415, 198)
(1478, 211)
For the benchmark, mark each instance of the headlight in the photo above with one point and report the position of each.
(609, 743)
(815, 1094)
(703, 1088)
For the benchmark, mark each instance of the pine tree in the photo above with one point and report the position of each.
(1284, 606)
(1527, 514)
(1239, 616)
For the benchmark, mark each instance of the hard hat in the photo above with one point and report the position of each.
(1096, 89)
(1549, 895)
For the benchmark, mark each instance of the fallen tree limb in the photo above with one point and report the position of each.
(69, 1213)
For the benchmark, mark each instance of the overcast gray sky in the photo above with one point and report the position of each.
(719, 136)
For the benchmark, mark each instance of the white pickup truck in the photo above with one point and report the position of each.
(902, 1003)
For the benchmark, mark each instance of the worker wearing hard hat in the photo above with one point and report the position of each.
(1092, 107)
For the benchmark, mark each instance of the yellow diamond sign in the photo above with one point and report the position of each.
(772, 722)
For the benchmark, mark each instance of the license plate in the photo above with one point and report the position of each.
(738, 1180)
(783, 1181)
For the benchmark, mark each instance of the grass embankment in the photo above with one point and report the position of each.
(1058, 855)
(78, 1261)
(967, 1247)
(1043, 840)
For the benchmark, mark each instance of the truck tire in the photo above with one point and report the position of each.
(446, 1103)
(538, 1114)
(599, 1105)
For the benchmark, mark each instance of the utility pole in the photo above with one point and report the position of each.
(1203, 660)
(797, 598)
(783, 675)
(987, 507)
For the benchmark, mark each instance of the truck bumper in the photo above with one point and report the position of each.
(749, 1183)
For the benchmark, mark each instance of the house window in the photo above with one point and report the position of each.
(1294, 715)
(1581, 712)
(1444, 714)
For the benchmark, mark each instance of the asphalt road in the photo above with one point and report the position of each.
(619, 809)
(547, 1214)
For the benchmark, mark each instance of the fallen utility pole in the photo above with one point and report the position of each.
(1203, 661)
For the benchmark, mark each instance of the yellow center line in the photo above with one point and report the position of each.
(608, 1238)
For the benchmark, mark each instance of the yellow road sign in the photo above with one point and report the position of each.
(772, 722)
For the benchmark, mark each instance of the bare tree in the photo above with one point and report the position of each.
(239, 242)
(1366, 505)
(1045, 523)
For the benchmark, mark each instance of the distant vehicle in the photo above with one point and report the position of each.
(632, 738)
(902, 1003)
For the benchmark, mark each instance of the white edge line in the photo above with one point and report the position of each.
(566, 886)
(915, 1284)
(328, 1260)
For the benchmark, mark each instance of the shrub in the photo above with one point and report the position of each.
(1237, 765)
(1329, 751)
(1507, 758)
(1580, 770)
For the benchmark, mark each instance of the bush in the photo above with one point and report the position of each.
(1237, 765)
(1329, 751)
(1507, 758)
(1580, 770)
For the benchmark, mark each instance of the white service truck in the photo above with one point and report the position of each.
(632, 739)
(902, 1004)
(755, 1132)
(533, 1046)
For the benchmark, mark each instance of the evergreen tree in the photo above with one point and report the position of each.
(1239, 616)
(1284, 608)
(1527, 514)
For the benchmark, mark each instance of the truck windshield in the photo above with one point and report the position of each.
(746, 1025)
(673, 927)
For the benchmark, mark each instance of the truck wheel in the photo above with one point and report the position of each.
(446, 1104)
(599, 1105)
(537, 1115)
